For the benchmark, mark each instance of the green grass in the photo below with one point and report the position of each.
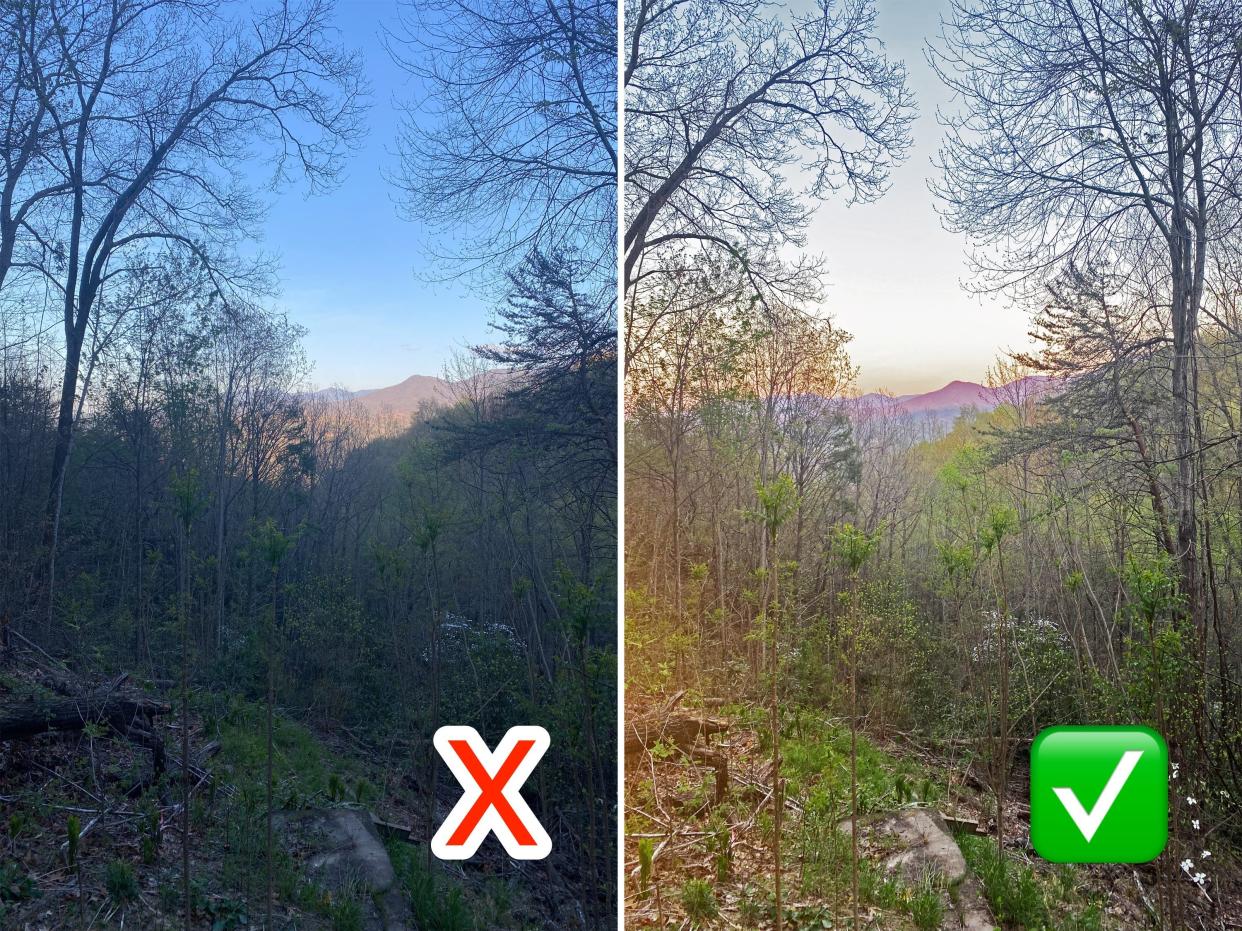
(437, 902)
(1012, 890)
(926, 904)
(301, 766)
(698, 898)
(303, 771)
(1020, 897)
(120, 881)
(345, 913)
(816, 762)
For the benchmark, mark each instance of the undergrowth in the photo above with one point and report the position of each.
(1021, 898)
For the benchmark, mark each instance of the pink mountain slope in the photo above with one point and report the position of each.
(958, 394)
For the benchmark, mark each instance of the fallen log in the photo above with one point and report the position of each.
(68, 685)
(121, 710)
(390, 831)
(679, 730)
(964, 825)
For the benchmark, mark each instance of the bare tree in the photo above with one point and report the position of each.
(1102, 133)
(514, 146)
(167, 103)
(28, 129)
(726, 101)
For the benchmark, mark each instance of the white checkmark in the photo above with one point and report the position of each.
(1089, 821)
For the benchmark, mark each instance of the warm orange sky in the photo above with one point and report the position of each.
(895, 274)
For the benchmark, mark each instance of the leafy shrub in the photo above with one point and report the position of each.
(16, 884)
(226, 914)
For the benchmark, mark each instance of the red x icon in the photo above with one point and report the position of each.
(491, 802)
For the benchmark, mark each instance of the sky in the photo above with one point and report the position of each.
(348, 262)
(895, 275)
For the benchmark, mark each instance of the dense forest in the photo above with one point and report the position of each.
(278, 594)
(845, 621)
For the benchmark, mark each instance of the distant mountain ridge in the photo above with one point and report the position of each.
(407, 397)
(957, 394)
(402, 398)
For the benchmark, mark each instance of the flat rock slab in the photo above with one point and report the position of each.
(344, 854)
(919, 843)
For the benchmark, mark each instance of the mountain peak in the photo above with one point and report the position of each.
(958, 394)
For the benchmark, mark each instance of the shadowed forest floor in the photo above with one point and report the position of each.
(126, 871)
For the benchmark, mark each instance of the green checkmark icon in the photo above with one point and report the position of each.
(1099, 794)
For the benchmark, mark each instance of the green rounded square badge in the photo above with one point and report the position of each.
(1099, 794)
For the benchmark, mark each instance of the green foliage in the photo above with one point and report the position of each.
(964, 471)
(698, 898)
(18, 822)
(1152, 586)
(824, 852)
(853, 546)
(437, 903)
(187, 497)
(1012, 891)
(1001, 521)
(151, 827)
(336, 788)
(346, 913)
(226, 914)
(121, 883)
(876, 887)
(270, 544)
(646, 862)
(719, 844)
(750, 906)
(955, 563)
(926, 905)
(497, 904)
(16, 884)
(816, 764)
(778, 500)
(73, 835)
(300, 761)
(579, 606)
(807, 917)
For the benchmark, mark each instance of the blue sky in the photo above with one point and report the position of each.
(348, 262)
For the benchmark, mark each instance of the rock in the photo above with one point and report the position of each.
(921, 843)
(344, 853)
